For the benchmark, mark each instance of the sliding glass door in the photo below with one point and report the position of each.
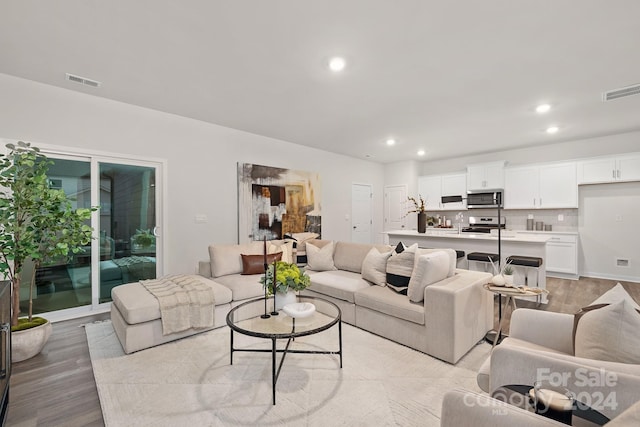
(127, 243)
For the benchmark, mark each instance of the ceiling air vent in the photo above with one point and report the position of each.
(82, 80)
(621, 92)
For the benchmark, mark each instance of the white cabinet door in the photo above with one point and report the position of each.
(558, 186)
(592, 171)
(454, 185)
(485, 176)
(475, 177)
(521, 187)
(430, 188)
(494, 176)
(562, 254)
(628, 168)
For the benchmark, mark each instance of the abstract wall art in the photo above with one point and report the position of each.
(274, 201)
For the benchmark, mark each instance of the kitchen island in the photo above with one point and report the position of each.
(512, 243)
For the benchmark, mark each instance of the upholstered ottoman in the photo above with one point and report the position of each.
(135, 314)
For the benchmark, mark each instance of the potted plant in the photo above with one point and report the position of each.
(37, 224)
(419, 208)
(507, 272)
(144, 238)
(285, 279)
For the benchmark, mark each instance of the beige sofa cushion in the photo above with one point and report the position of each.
(286, 247)
(387, 301)
(137, 305)
(452, 257)
(226, 259)
(374, 267)
(320, 259)
(429, 268)
(615, 294)
(339, 284)
(243, 286)
(350, 256)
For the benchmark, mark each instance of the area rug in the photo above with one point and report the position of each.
(191, 383)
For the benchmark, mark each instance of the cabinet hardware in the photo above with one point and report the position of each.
(618, 173)
(613, 173)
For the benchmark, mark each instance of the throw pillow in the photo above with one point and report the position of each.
(608, 332)
(281, 246)
(615, 294)
(400, 266)
(453, 258)
(320, 259)
(374, 267)
(429, 268)
(254, 264)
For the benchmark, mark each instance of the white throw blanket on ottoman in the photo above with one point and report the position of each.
(185, 302)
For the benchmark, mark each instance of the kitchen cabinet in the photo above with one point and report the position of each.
(489, 176)
(547, 186)
(561, 253)
(609, 169)
(432, 188)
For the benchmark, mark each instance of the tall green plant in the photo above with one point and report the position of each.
(37, 222)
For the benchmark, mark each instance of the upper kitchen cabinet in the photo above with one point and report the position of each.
(485, 176)
(609, 169)
(432, 188)
(548, 186)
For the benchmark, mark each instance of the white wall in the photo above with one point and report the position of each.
(202, 161)
(608, 226)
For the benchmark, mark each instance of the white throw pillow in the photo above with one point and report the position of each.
(429, 268)
(399, 267)
(615, 294)
(453, 258)
(285, 247)
(320, 259)
(608, 333)
(374, 267)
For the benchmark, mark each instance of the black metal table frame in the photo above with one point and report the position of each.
(275, 374)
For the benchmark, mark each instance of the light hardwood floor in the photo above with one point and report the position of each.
(57, 388)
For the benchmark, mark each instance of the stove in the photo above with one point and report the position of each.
(484, 224)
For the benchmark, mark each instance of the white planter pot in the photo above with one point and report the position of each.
(284, 299)
(508, 278)
(26, 344)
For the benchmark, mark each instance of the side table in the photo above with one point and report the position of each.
(510, 292)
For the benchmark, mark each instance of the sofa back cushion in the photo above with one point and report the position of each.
(349, 256)
(226, 259)
(286, 247)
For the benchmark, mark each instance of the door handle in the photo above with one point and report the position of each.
(354, 227)
(155, 231)
(5, 329)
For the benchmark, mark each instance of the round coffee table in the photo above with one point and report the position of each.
(247, 319)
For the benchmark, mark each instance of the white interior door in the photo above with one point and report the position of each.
(395, 203)
(361, 218)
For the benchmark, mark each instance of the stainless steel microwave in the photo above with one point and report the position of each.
(484, 199)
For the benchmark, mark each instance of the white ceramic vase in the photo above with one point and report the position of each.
(283, 299)
(508, 279)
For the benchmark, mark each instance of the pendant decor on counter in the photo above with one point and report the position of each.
(422, 222)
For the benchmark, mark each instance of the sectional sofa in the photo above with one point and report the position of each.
(454, 316)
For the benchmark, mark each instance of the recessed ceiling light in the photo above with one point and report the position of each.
(543, 108)
(552, 129)
(391, 141)
(421, 152)
(337, 64)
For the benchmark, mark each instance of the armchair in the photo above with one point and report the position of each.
(540, 346)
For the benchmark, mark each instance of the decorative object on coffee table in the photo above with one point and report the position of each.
(281, 277)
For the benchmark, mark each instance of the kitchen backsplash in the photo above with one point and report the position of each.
(517, 219)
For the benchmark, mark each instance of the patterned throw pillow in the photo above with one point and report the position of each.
(400, 266)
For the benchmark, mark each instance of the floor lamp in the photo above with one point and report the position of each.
(489, 337)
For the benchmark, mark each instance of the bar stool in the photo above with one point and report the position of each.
(485, 257)
(527, 262)
(459, 256)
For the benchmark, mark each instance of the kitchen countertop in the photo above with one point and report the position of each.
(453, 234)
